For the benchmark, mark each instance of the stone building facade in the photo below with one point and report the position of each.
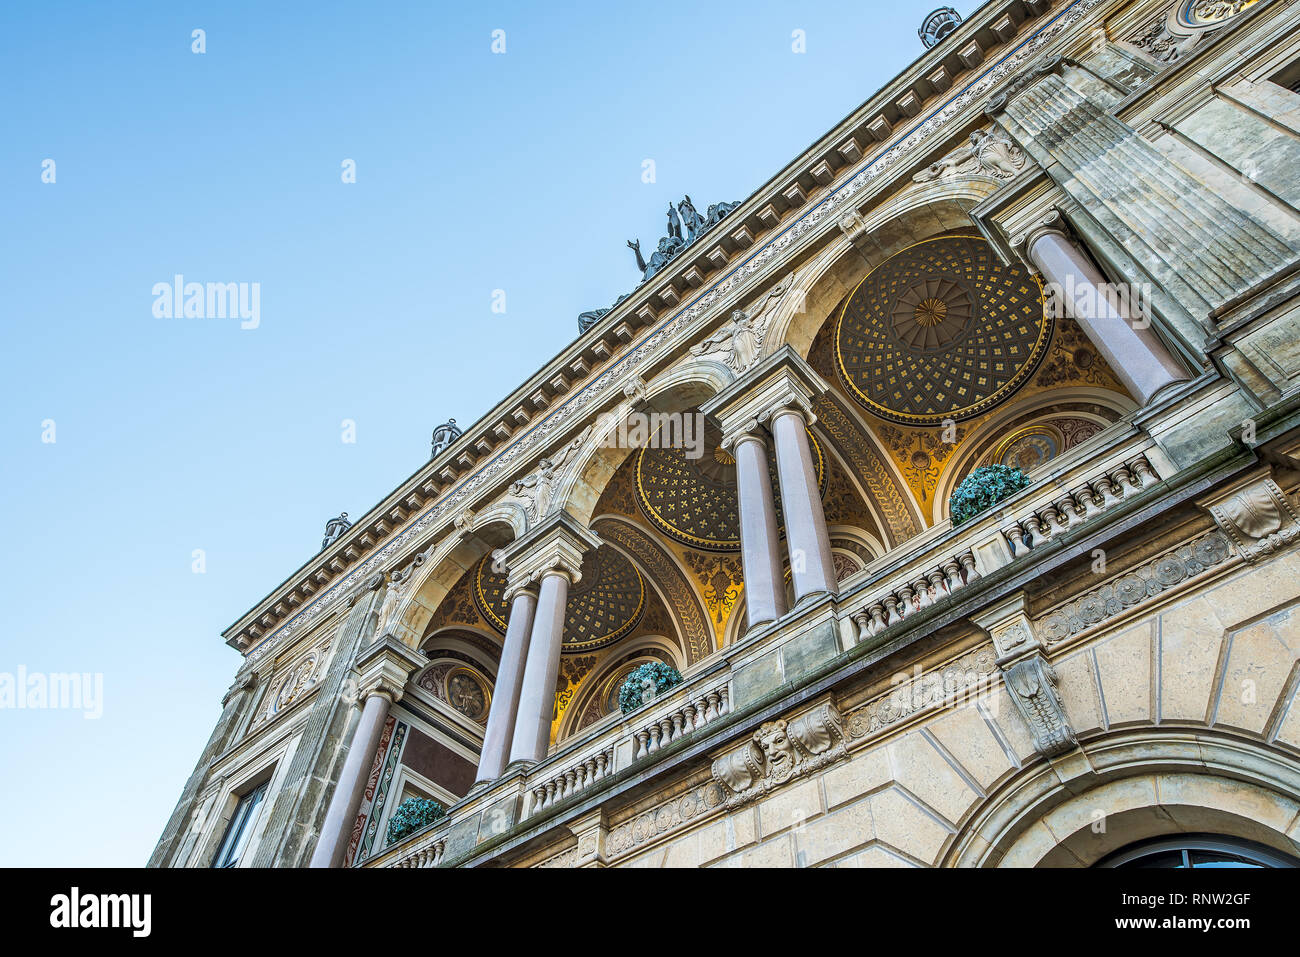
(1063, 240)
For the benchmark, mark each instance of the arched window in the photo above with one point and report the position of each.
(1199, 851)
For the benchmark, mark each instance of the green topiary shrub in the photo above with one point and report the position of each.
(664, 676)
(984, 488)
(411, 815)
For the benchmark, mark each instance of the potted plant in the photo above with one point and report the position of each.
(984, 488)
(413, 814)
(644, 683)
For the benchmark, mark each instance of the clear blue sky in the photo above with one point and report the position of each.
(475, 172)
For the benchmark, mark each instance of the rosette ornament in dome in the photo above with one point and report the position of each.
(938, 25)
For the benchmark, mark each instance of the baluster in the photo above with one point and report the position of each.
(862, 622)
(724, 694)
(938, 585)
(1016, 539)
(905, 596)
(666, 724)
(892, 614)
(712, 711)
(1069, 512)
(922, 589)
(677, 726)
(600, 765)
(642, 743)
(877, 619)
(690, 720)
(1142, 471)
(967, 560)
(550, 793)
(1125, 484)
(1087, 503)
(654, 739)
(952, 574)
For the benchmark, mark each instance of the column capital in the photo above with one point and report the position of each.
(384, 667)
(782, 381)
(1053, 221)
(554, 547)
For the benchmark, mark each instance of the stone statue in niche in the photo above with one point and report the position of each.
(334, 528)
(990, 152)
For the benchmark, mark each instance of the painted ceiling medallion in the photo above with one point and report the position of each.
(603, 607)
(694, 500)
(941, 330)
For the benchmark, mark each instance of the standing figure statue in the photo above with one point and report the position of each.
(674, 223)
(443, 436)
(691, 217)
(334, 528)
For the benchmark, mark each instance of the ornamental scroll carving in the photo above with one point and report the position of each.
(1032, 682)
(1258, 519)
(780, 751)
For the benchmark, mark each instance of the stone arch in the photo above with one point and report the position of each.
(1146, 784)
(874, 474)
(431, 576)
(679, 389)
(919, 212)
(975, 445)
(639, 650)
(666, 576)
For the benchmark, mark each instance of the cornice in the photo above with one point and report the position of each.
(450, 483)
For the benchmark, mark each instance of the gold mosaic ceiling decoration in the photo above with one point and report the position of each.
(602, 608)
(941, 330)
(694, 501)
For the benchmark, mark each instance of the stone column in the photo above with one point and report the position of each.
(551, 555)
(764, 584)
(537, 696)
(806, 536)
(1124, 337)
(384, 667)
(510, 678)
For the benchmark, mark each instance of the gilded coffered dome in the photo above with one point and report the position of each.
(941, 330)
(603, 607)
(694, 501)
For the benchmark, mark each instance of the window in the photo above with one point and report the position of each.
(1198, 851)
(240, 828)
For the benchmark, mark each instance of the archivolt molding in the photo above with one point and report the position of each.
(667, 578)
(973, 444)
(895, 510)
(1138, 785)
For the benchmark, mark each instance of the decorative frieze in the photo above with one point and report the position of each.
(1134, 587)
(665, 818)
(956, 682)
